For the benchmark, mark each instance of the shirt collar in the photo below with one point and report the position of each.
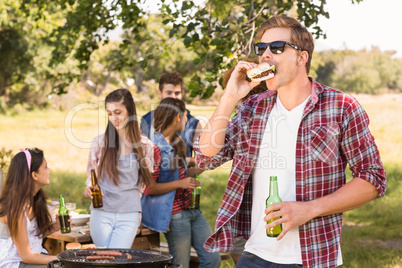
(316, 89)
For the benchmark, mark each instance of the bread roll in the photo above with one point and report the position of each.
(73, 245)
(87, 246)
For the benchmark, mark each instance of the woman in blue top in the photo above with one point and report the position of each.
(165, 204)
(123, 159)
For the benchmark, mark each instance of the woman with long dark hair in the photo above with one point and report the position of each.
(123, 159)
(166, 203)
(24, 217)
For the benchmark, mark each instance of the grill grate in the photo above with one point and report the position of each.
(138, 256)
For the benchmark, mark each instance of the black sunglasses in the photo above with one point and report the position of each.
(276, 47)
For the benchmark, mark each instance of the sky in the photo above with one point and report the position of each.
(357, 26)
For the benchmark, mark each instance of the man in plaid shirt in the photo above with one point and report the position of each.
(302, 132)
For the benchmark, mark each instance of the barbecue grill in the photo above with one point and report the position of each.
(140, 258)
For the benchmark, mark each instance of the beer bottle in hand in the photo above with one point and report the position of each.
(63, 217)
(273, 198)
(96, 191)
(195, 195)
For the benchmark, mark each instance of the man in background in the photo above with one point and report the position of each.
(171, 86)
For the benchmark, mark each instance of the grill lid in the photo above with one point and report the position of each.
(138, 256)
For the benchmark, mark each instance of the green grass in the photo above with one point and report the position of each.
(372, 237)
(372, 234)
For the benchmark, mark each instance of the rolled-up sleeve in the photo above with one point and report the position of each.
(235, 132)
(360, 149)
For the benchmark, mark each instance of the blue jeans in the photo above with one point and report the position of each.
(190, 228)
(249, 260)
(114, 230)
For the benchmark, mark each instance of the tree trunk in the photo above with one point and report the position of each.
(1, 180)
(138, 79)
(2, 84)
(98, 92)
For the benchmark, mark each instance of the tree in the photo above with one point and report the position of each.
(123, 61)
(223, 31)
(218, 31)
(361, 71)
(14, 58)
(25, 52)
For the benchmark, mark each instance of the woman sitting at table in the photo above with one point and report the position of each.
(123, 158)
(24, 217)
(166, 203)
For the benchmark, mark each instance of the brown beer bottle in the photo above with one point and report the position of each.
(64, 217)
(96, 191)
(273, 198)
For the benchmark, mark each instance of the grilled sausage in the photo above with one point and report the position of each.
(129, 257)
(107, 253)
(94, 258)
(82, 253)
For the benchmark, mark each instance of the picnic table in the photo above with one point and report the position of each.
(56, 242)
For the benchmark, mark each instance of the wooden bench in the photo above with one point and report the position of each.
(194, 261)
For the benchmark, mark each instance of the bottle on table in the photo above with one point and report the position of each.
(64, 217)
(96, 191)
(195, 195)
(273, 198)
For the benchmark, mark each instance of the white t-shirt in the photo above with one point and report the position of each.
(276, 158)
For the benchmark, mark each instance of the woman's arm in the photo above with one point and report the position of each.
(93, 160)
(166, 187)
(24, 250)
(55, 225)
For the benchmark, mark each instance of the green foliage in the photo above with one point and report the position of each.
(14, 57)
(221, 32)
(46, 45)
(361, 71)
(5, 158)
(218, 32)
(25, 52)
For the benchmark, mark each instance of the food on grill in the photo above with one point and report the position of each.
(107, 253)
(83, 253)
(139, 258)
(73, 245)
(87, 246)
(95, 258)
(129, 256)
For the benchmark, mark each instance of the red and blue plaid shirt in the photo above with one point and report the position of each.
(333, 133)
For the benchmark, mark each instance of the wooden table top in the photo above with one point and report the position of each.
(76, 236)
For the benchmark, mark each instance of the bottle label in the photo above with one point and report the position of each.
(64, 224)
(195, 200)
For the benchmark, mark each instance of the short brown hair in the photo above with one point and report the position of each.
(299, 35)
(173, 78)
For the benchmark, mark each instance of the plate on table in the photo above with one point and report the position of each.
(80, 219)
